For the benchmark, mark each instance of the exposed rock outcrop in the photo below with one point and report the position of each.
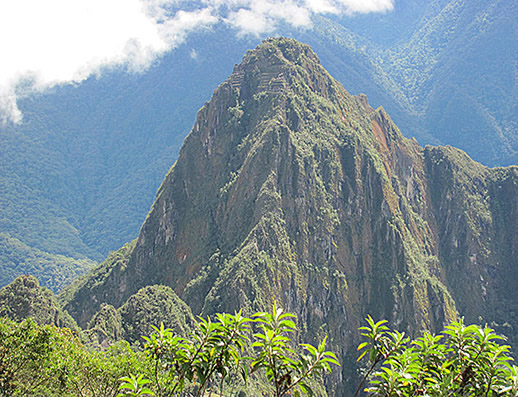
(290, 189)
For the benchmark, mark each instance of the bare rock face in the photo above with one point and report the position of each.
(290, 189)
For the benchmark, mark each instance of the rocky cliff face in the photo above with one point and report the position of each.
(290, 189)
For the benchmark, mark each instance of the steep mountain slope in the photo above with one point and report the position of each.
(459, 70)
(79, 174)
(290, 189)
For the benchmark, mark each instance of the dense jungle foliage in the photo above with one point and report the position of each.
(234, 355)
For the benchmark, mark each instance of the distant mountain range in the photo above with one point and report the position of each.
(79, 174)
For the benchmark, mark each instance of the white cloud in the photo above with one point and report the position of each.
(349, 6)
(261, 16)
(364, 6)
(59, 41)
(174, 30)
(322, 6)
(45, 43)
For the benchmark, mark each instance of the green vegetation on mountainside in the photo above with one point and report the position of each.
(154, 305)
(457, 71)
(24, 298)
(78, 175)
(55, 271)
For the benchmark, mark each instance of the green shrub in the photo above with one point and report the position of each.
(461, 361)
(215, 358)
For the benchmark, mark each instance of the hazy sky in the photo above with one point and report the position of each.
(49, 42)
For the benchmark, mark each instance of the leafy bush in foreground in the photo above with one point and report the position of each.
(461, 361)
(214, 359)
(43, 360)
(233, 354)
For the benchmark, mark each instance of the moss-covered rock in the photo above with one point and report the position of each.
(104, 329)
(288, 188)
(152, 306)
(24, 298)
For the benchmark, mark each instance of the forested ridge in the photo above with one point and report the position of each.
(305, 237)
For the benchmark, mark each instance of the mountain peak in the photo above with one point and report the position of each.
(290, 189)
(277, 65)
(282, 50)
(278, 128)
